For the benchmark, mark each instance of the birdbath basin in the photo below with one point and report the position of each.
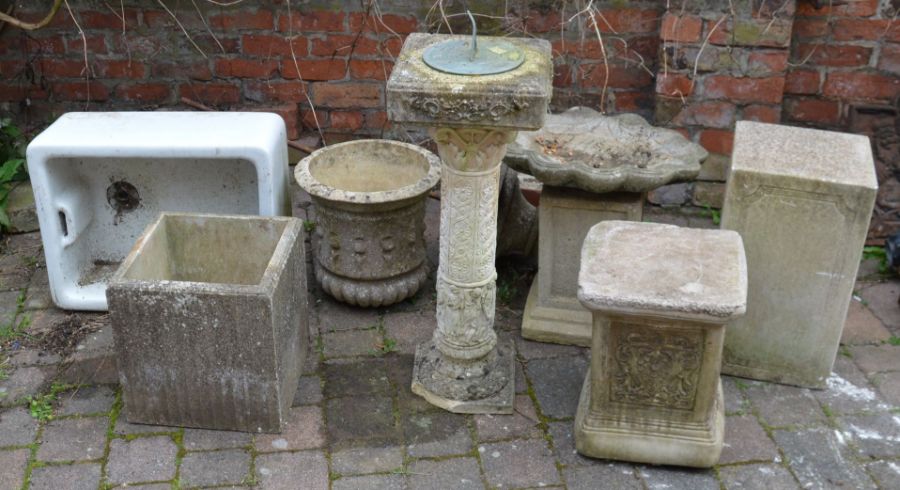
(594, 168)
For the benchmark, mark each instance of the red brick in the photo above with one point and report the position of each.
(860, 29)
(832, 55)
(313, 69)
(376, 120)
(853, 8)
(197, 70)
(59, 68)
(370, 70)
(47, 45)
(270, 91)
(105, 20)
(82, 91)
(861, 85)
(346, 120)
(319, 20)
(148, 93)
(744, 89)
(562, 76)
(244, 68)
(812, 110)
(717, 140)
(633, 101)
(585, 49)
(290, 113)
(767, 62)
(674, 84)
(10, 68)
(711, 114)
(805, 82)
(119, 69)
(261, 19)
(762, 113)
(685, 29)
(270, 45)
(399, 24)
(772, 33)
(647, 47)
(347, 95)
(17, 92)
(343, 45)
(14, 44)
(96, 44)
(211, 93)
(629, 21)
(313, 119)
(595, 76)
(806, 27)
(392, 46)
(550, 21)
(890, 58)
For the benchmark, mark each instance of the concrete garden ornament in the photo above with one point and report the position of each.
(473, 99)
(369, 243)
(594, 168)
(100, 178)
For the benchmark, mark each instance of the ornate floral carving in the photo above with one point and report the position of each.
(472, 150)
(464, 109)
(655, 366)
(465, 317)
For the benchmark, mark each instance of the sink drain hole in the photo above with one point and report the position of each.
(123, 197)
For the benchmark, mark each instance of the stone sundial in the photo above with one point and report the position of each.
(594, 168)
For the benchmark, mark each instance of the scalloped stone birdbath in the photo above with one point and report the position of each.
(594, 168)
(473, 105)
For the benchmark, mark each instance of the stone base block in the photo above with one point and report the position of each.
(543, 323)
(499, 403)
(599, 435)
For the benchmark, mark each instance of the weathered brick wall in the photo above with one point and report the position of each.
(696, 65)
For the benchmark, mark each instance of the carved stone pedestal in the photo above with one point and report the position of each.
(660, 297)
(472, 119)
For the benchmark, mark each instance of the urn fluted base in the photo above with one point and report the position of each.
(485, 385)
(374, 293)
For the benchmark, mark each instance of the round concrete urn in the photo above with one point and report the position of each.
(369, 240)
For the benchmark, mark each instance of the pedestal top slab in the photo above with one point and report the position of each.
(584, 149)
(809, 154)
(652, 269)
(516, 99)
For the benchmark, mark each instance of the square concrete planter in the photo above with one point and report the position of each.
(802, 200)
(209, 319)
(100, 178)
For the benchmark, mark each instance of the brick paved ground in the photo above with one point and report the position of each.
(355, 423)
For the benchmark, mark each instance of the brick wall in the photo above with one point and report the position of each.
(697, 66)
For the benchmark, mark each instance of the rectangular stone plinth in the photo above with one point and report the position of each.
(801, 199)
(209, 319)
(552, 311)
(513, 100)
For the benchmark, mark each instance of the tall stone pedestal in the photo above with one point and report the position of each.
(552, 311)
(802, 200)
(472, 118)
(660, 297)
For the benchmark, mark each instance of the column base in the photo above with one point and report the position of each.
(649, 441)
(543, 323)
(466, 396)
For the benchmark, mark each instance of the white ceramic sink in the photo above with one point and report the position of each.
(100, 178)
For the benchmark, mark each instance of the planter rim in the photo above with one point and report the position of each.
(317, 189)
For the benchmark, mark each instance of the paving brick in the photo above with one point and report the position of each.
(848, 390)
(93, 362)
(348, 377)
(370, 482)
(678, 478)
(889, 386)
(434, 434)
(409, 329)
(17, 427)
(820, 458)
(202, 439)
(876, 435)
(620, 476)
(363, 460)
(557, 384)
(71, 477)
(862, 326)
(782, 405)
(351, 343)
(309, 391)
(885, 473)
(758, 477)
(520, 425)
(455, 473)
(228, 467)
(564, 444)
(21, 383)
(332, 316)
(303, 429)
(12, 467)
(123, 428)
(876, 358)
(542, 350)
(283, 471)
(881, 299)
(745, 440)
(519, 463)
(73, 439)
(359, 417)
(144, 459)
(86, 400)
(735, 401)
